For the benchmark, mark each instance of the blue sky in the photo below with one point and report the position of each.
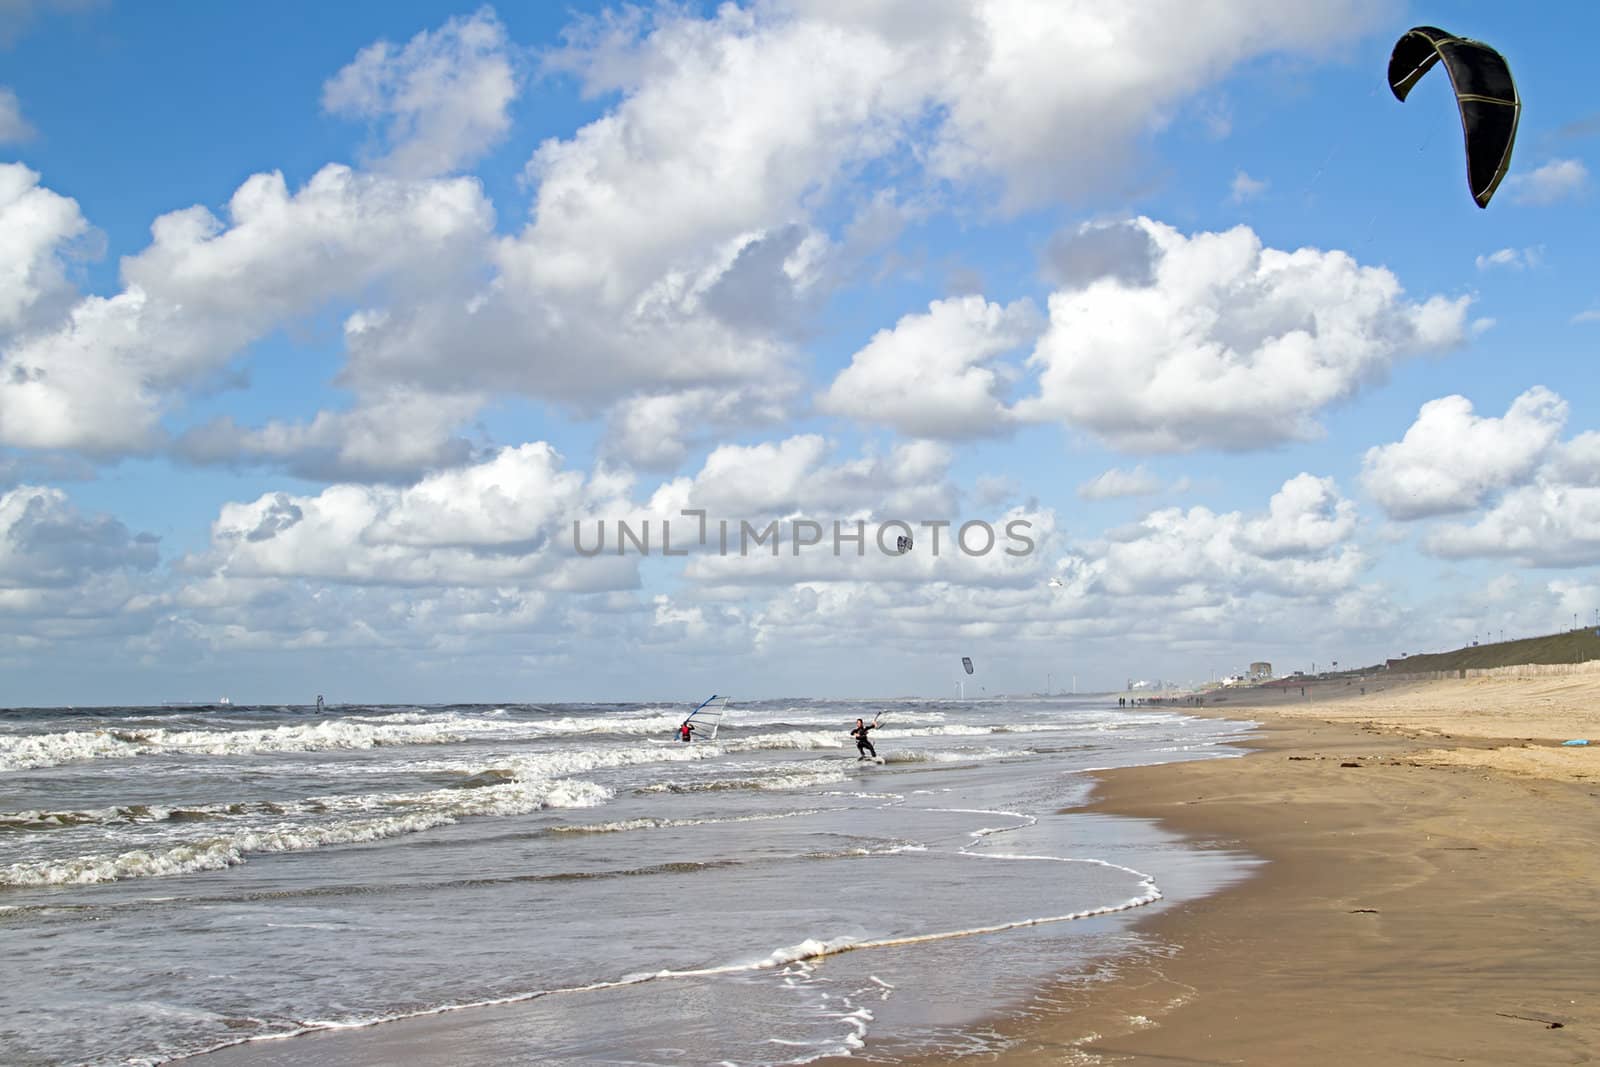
(318, 343)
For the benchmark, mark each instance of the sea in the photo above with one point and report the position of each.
(177, 881)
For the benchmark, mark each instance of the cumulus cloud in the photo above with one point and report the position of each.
(13, 127)
(655, 431)
(444, 96)
(1451, 460)
(1556, 180)
(800, 475)
(1299, 548)
(203, 290)
(45, 542)
(1551, 515)
(1230, 345)
(501, 522)
(928, 375)
(37, 228)
(676, 242)
(1305, 517)
(1125, 251)
(392, 436)
(1012, 112)
(1541, 525)
(67, 577)
(997, 551)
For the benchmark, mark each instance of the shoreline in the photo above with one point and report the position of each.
(1429, 892)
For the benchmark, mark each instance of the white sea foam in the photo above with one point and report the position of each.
(30, 751)
(427, 810)
(625, 825)
(792, 779)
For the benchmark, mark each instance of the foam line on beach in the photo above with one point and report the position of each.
(803, 952)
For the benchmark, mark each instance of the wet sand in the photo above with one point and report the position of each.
(1432, 892)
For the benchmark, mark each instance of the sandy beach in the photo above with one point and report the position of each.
(1432, 892)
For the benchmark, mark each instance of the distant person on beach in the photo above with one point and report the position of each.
(863, 745)
(685, 731)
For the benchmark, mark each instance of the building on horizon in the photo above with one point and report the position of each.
(1260, 671)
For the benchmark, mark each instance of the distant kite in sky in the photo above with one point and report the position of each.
(1485, 94)
(966, 661)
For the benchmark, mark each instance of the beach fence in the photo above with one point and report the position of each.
(1525, 670)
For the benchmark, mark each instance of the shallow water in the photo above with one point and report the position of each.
(176, 882)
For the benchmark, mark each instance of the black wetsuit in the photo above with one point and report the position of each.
(862, 744)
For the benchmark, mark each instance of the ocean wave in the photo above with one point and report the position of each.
(33, 751)
(792, 779)
(440, 807)
(39, 819)
(627, 825)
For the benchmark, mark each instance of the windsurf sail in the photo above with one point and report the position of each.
(707, 717)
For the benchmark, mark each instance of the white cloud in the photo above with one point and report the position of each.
(1306, 516)
(1514, 258)
(1245, 187)
(37, 229)
(674, 242)
(1032, 83)
(1299, 548)
(502, 522)
(67, 577)
(1117, 482)
(1450, 459)
(927, 376)
(1575, 462)
(1556, 180)
(202, 291)
(444, 95)
(1229, 345)
(1541, 525)
(1550, 519)
(46, 543)
(655, 431)
(1125, 250)
(795, 476)
(13, 127)
(1592, 315)
(396, 435)
(1005, 550)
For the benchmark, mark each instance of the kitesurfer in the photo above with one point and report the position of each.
(863, 745)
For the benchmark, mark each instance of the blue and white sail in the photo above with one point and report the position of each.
(707, 717)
